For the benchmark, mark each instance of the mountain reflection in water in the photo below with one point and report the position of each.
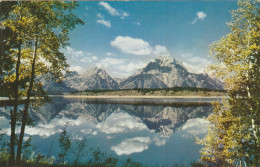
(150, 134)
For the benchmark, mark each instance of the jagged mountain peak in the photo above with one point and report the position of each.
(93, 78)
(165, 59)
(161, 72)
(168, 72)
(163, 64)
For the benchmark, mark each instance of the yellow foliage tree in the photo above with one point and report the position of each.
(41, 30)
(234, 138)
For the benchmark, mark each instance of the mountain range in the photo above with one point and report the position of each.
(162, 72)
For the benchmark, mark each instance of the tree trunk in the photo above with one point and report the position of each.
(26, 107)
(14, 111)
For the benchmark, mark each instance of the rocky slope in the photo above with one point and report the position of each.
(161, 72)
(93, 78)
(164, 72)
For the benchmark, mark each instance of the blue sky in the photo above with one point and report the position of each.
(122, 37)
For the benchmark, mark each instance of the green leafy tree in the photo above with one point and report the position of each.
(11, 55)
(49, 32)
(40, 30)
(234, 137)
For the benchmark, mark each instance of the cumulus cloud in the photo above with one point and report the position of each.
(131, 67)
(86, 60)
(120, 123)
(84, 57)
(160, 141)
(104, 22)
(76, 68)
(137, 46)
(73, 52)
(93, 58)
(110, 54)
(196, 126)
(132, 145)
(193, 68)
(200, 16)
(120, 67)
(195, 64)
(110, 62)
(112, 11)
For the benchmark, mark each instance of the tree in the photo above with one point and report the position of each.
(11, 54)
(42, 29)
(236, 126)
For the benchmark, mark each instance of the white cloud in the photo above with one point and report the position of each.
(187, 55)
(113, 11)
(73, 52)
(193, 68)
(110, 54)
(86, 60)
(109, 8)
(94, 58)
(104, 22)
(99, 15)
(195, 64)
(138, 23)
(132, 145)
(160, 141)
(120, 123)
(110, 62)
(200, 16)
(76, 68)
(137, 46)
(77, 59)
(131, 67)
(131, 45)
(160, 50)
(196, 126)
(120, 67)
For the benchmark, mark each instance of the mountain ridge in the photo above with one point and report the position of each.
(161, 72)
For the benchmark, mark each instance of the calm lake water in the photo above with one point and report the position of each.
(149, 131)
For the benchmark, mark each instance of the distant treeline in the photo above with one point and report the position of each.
(192, 89)
(176, 91)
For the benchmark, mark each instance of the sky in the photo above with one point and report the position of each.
(123, 36)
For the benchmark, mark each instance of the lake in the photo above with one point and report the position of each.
(150, 131)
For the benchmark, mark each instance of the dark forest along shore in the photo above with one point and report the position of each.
(152, 132)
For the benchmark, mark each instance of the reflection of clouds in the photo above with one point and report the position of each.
(132, 145)
(54, 126)
(4, 125)
(160, 141)
(121, 123)
(195, 127)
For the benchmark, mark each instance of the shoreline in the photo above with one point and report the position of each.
(126, 97)
(136, 97)
(175, 101)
